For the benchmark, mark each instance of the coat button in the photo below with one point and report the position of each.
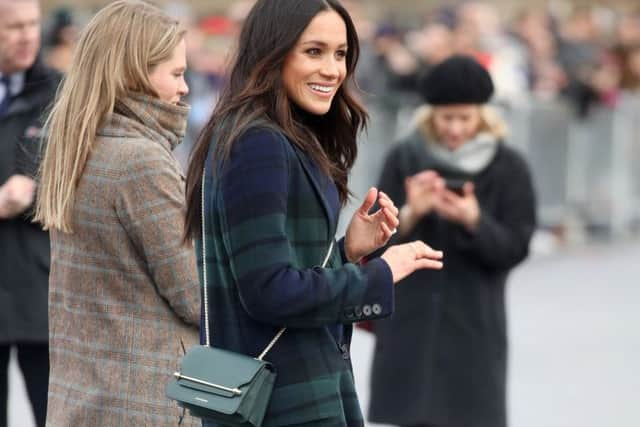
(344, 349)
(377, 309)
(348, 313)
(366, 310)
(358, 311)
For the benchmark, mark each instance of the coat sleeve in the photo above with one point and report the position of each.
(501, 240)
(256, 187)
(150, 206)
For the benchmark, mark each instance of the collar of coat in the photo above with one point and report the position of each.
(305, 161)
(38, 89)
(147, 116)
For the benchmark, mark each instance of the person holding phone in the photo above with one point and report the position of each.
(466, 192)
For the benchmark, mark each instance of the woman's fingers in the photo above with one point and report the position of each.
(385, 202)
(426, 175)
(406, 258)
(391, 218)
(426, 257)
(469, 188)
(425, 251)
(369, 201)
(386, 232)
(428, 263)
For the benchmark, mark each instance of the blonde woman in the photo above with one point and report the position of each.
(466, 191)
(123, 288)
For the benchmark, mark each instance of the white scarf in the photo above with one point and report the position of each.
(471, 157)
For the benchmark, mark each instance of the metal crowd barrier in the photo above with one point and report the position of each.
(586, 171)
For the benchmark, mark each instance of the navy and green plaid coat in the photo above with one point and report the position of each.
(268, 229)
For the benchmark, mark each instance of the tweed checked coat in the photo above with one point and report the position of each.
(123, 288)
(268, 228)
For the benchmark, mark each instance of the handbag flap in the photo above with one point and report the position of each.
(220, 367)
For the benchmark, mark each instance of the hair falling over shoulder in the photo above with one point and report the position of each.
(115, 53)
(255, 94)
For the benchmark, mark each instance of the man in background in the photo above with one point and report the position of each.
(26, 90)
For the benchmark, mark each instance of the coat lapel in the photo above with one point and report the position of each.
(304, 160)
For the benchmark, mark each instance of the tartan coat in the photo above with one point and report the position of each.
(268, 229)
(123, 289)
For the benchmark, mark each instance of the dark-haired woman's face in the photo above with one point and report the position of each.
(317, 65)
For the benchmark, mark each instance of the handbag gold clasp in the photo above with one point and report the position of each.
(234, 391)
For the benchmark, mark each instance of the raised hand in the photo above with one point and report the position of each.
(422, 190)
(370, 231)
(464, 210)
(406, 258)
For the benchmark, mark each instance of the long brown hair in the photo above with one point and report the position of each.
(255, 92)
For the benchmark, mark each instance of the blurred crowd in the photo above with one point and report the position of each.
(584, 58)
(588, 54)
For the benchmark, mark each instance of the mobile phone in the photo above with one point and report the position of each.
(455, 185)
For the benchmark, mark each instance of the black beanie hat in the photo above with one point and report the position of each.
(457, 80)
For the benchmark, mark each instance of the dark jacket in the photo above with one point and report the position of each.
(442, 358)
(24, 247)
(269, 227)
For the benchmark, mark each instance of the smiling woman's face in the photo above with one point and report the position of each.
(317, 65)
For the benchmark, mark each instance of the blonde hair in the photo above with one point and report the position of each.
(115, 54)
(490, 122)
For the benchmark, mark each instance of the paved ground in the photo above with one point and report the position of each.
(575, 342)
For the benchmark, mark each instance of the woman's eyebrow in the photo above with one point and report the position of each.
(322, 43)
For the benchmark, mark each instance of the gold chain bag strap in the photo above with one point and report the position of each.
(230, 388)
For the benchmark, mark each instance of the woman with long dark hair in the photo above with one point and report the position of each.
(276, 155)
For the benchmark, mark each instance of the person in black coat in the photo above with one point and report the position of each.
(441, 360)
(26, 89)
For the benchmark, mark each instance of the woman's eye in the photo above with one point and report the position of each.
(314, 51)
(341, 54)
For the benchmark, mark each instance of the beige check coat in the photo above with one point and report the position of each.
(123, 288)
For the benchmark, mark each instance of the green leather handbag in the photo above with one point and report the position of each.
(218, 385)
(229, 388)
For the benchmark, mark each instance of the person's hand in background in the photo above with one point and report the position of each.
(16, 195)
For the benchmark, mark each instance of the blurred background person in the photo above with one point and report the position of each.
(62, 40)
(26, 88)
(441, 360)
(630, 64)
(209, 39)
(480, 32)
(533, 29)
